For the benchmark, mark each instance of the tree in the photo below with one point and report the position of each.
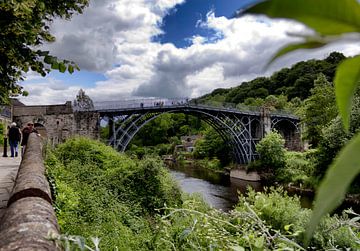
(320, 109)
(334, 137)
(272, 151)
(212, 145)
(24, 25)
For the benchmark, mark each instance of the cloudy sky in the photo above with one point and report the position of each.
(128, 49)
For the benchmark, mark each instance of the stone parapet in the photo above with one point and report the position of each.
(29, 219)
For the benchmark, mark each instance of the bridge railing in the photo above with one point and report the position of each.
(140, 103)
(225, 105)
(175, 102)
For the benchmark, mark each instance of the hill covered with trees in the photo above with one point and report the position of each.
(293, 82)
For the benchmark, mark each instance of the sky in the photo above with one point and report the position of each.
(129, 49)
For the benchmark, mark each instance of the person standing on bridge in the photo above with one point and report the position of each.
(14, 136)
(25, 135)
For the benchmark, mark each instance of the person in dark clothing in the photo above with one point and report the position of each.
(25, 135)
(14, 136)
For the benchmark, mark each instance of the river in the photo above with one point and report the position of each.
(221, 192)
(218, 190)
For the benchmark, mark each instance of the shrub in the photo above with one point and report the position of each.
(271, 150)
(284, 213)
(299, 169)
(213, 164)
(100, 192)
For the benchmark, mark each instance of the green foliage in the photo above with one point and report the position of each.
(271, 150)
(319, 110)
(293, 82)
(340, 175)
(298, 170)
(346, 82)
(260, 221)
(104, 133)
(329, 18)
(24, 25)
(213, 164)
(100, 192)
(165, 127)
(284, 213)
(212, 146)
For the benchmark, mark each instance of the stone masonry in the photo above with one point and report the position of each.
(56, 123)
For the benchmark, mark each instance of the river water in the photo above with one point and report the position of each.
(218, 190)
(221, 192)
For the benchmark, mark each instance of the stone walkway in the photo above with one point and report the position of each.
(8, 170)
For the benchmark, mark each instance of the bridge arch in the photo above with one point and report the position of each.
(290, 130)
(240, 131)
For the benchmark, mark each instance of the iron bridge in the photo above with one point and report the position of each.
(240, 127)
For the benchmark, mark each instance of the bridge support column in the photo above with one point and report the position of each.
(265, 120)
(111, 127)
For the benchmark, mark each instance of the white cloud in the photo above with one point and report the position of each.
(50, 91)
(114, 37)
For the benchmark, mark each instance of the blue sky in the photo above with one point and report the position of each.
(180, 24)
(164, 48)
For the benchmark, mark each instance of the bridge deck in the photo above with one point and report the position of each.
(8, 171)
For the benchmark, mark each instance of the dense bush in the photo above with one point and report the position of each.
(299, 169)
(212, 146)
(100, 192)
(285, 214)
(213, 164)
(271, 150)
(273, 221)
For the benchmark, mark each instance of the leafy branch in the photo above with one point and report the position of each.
(331, 20)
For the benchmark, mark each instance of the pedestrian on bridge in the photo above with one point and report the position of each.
(14, 136)
(25, 135)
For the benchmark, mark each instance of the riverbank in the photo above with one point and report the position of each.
(231, 186)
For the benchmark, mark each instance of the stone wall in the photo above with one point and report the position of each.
(29, 219)
(87, 124)
(57, 123)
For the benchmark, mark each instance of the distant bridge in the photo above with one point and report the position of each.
(241, 127)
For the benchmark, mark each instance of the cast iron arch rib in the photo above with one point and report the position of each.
(229, 126)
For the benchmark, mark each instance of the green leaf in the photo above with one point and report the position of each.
(346, 81)
(327, 17)
(71, 69)
(62, 67)
(296, 46)
(287, 227)
(333, 187)
(237, 248)
(55, 66)
(48, 59)
(42, 53)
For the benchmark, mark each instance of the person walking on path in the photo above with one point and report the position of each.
(25, 135)
(14, 136)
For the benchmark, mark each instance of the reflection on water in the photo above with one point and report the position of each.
(219, 190)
